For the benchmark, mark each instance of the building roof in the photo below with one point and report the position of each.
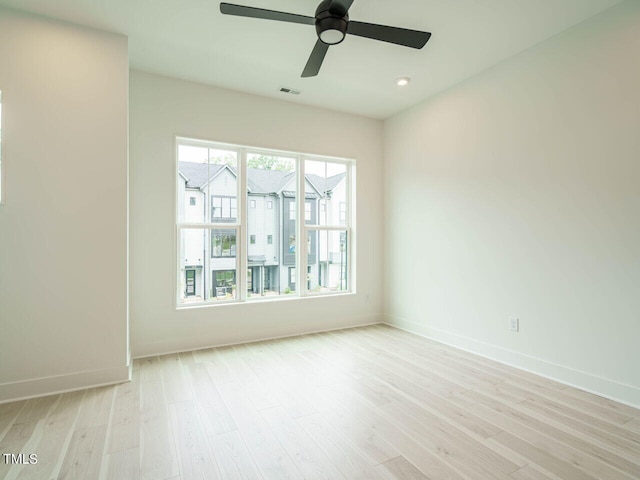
(267, 181)
(325, 185)
(259, 180)
(198, 174)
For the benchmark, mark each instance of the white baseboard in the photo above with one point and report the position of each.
(40, 387)
(620, 392)
(157, 349)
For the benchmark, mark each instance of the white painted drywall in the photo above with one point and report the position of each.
(162, 108)
(63, 225)
(517, 193)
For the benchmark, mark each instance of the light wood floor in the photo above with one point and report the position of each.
(367, 403)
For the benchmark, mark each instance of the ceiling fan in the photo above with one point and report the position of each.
(332, 24)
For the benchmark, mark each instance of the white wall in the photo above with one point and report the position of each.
(63, 227)
(517, 193)
(162, 108)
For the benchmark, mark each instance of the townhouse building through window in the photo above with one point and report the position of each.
(240, 212)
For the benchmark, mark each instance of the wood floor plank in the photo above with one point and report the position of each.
(187, 358)
(84, 455)
(122, 465)
(36, 409)
(397, 377)
(272, 460)
(124, 431)
(96, 407)
(460, 356)
(603, 402)
(411, 370)
(570, 404)
(150, 369)
(470, 374)
(364, 438)
(195, 457)
(529, 473)
(588, 462)
(14, 443)
(603, 438)
(233, 457)
(8, 414)
(310, 365)
(177, 385)
(633, 426)
(347, 459)
(437, 405)
(20, 432)
(554, 434)
(51, 445)
(330, 372)
(459, 449)
(216, 418)
(283, 388)
(341, 398)
(400, 468)
(158, 458)
(257, 391)
(310, 460)
(540, 457)
(217, 368)
(202, 355)
(533, 399)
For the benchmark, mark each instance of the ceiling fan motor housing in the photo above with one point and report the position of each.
(331, 24)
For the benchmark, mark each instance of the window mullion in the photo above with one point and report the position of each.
(350, 219)
(301, 235)
(241, 245)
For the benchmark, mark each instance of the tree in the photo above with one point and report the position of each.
(222, 158)
(266, 162)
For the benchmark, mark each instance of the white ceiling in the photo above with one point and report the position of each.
(190, 39)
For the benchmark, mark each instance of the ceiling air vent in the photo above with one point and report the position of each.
(290, 91)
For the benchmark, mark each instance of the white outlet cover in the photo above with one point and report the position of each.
(514, 324)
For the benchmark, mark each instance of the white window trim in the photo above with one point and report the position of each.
(241, 227)
(3, 190)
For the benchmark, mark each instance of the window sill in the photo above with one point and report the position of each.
(257, 300)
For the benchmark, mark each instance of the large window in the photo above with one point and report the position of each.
(240, 212)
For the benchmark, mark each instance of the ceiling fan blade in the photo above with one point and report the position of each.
(384, 33)
(242, 11)
(314, 63)
(342, 4)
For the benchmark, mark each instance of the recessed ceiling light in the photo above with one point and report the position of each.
(402, 81)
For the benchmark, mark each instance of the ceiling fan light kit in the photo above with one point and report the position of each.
(332, 25)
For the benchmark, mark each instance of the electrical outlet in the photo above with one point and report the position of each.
(514, 324)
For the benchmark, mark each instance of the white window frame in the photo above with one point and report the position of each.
(241, 224)
(348, 226)
(2, 173)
